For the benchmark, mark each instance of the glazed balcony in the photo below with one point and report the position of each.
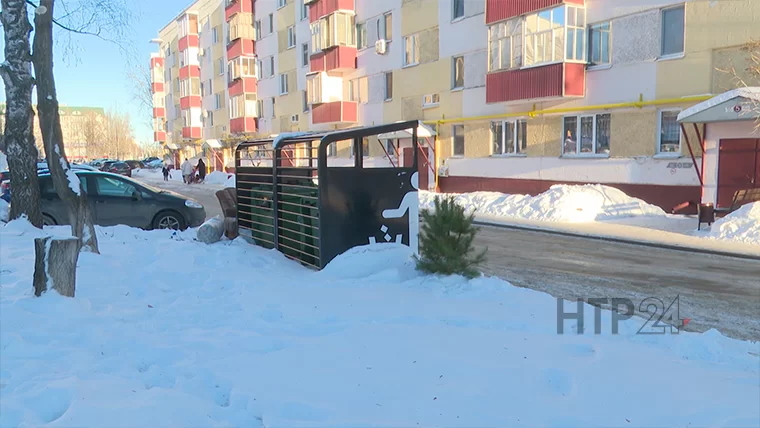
(237, 6)
(549, 81)
(241, 47)
(335, 59)
(322, 8)
(192, 133)
(189, 102)
(499, 10)
(243, 85)
(336, 112)
(242, 125)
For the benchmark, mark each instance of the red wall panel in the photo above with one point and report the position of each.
(499, 10)
(336, 111)
(194, 132)
(340, 58)
(189, 102)
(323, 8)
(159, 112)
(159, 136)
(240, 47)
(242, 124)
(157, 87)
(317, 62)
(529, 83)
(246, 85)
(575, 79)
(189, 71)
(156, 61)
(189, 41)
(240, 6)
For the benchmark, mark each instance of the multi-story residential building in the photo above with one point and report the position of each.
(518, 94)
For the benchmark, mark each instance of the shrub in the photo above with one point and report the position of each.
(446, 241)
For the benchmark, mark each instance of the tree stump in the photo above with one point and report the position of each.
(55, 265)
(211, 231)
(231, 227)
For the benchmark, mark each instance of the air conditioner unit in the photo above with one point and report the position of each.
(381, 46)
(294, 118)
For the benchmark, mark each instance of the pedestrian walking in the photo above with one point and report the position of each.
(201, 170)
(187, 171)
(165, 171)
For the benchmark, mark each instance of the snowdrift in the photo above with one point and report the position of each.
(561, 203)
(4, 210)
(230, 334)
(230, 182)
(217, 177)
(742, 225)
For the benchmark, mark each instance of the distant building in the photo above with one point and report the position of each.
(72, 121)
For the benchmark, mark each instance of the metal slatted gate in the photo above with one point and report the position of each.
(255, 190)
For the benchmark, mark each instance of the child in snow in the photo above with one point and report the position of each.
(165, 171)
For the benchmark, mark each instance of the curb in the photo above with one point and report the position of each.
(621, 240)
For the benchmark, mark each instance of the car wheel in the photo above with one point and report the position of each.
(169, 220)
(48, 221)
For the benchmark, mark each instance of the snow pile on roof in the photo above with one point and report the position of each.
(4, 209)
(750, 93)
(222, 341)
(230, 182)
(561, 203)
(217, 177)
(286, 135)
(741, 225)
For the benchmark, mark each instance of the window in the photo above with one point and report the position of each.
(412, 50)
(283, 84)
(509, 137)
(586, 135)
(245, 105)
(316, 36)
(669, 140)
(291, 37)
(457, 72)
(109, 186)
(388, 86)
(304, 55)
(305, 101)
(271, 23)
(260, 107)
(271, 66)
(457, 10)
(304, 11)
(599, 44)
(505, 45)
(575, 50)
(257, 30)
(210, 118)
(545, 36)
(672, 31)
(281, 3)
(215, 35)
(258, 69)
(220, 65)
(385, 27)
(457, 140)
(332, 150)
(190, 87)
(358, 90)
(361, 35)
(339, 29)
(218, 101)
(274, 102)
(431, 100)
(241, 67)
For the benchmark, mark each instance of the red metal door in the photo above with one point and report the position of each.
(738, 168)
(422, 166)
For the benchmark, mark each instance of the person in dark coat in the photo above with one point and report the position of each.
(201, 170)
(165, 171)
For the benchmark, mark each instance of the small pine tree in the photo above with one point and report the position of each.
(446, 240)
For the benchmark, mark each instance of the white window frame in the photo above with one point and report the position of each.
(431, 100)
(387, 87)
(382, 27)
(361, 35)
(659, 151)
(304, 11)
(415, 53)
(305, 54)
(662, 33)
(513, 37)
(594, 136)
(281, 3)
(220, 61)
(602, 28)
(518, 150)
(218, 101)
(454, 86)
(453, 141)
(271, 66)
(291, 37)
(454, 16)
(215, 35)
(283, 83)
(237, 63)
(581, 29)
(271, 23)
(257, 30)
(315, 28)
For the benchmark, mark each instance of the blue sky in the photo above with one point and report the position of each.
(96, 75)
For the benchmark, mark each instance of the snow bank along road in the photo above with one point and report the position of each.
(715, 292)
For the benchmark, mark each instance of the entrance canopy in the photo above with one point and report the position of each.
(212, 144)
(423, 131)
(737, 104)
(172, 146)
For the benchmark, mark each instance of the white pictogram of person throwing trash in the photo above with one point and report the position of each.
(410, 203)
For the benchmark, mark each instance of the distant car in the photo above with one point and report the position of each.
(117, 167)
(134, 164)
(115, 199)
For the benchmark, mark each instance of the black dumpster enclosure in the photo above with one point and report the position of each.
(295, 195)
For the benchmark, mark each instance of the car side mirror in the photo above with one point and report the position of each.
(136, 196)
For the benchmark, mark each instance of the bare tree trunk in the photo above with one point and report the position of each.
(66, 183)
(19, 145)
(55, 265)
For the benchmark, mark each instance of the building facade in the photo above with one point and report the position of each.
(521, 94)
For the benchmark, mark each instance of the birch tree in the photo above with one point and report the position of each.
(18, 135)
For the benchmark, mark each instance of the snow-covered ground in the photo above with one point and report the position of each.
(594, 204)
(187, 334)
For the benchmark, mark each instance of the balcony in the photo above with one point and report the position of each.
(242, 125)
(157, 87)
(321, 8)
(336, 59)
(189, 102)
(156, 61)
(159, 112)
(192, 133)
(189, 41)
(189, 71)
(499, 10)
(243, 85)
(240, 47)
(336, 112)
(237, 6)
(549, 81)
(159, 136)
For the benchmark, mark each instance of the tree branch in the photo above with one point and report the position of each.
(77, 31)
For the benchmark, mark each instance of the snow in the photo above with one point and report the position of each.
(742, 225)
(236, 335)
(751, 93)
(285, 135)
(561, 203)
(230, 182)
(74, 183)
(4, 210)
(217, 177)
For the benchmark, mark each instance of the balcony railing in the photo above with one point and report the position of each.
(335, 112)
(549, 81)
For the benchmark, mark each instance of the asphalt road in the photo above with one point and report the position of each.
(715, 291)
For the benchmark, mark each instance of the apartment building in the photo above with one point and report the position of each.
(518, 95)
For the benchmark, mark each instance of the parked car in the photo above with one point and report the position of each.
(42, 168)
(115, 199)
(134, 164)
(117, 167)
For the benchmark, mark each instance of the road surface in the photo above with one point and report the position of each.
(715, 291)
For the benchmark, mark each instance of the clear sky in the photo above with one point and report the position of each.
(95, 75)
